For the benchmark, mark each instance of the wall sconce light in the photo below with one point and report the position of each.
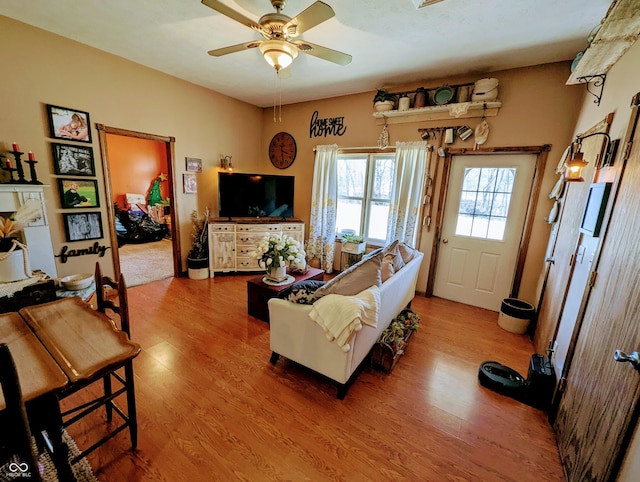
(576, 163)
(225, 163)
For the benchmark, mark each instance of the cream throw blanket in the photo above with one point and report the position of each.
(341, 316)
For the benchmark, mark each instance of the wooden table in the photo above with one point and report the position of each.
(60, 345)
(40, 379)
(259, 293)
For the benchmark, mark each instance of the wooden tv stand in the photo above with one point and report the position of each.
(231, 241)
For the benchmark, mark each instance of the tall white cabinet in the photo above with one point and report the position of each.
(230, 243)
(36, 234)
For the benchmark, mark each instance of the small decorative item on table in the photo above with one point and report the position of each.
(394, 340)
(275, 252)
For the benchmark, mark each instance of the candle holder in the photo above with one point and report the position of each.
(32, 171)
(10, 170)
(17, 155)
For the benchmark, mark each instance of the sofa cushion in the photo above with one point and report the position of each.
(392, 261)
(357, 278)
(406, 251)
(303, 291)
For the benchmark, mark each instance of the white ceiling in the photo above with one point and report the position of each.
(391, 41)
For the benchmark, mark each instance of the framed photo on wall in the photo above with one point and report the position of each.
(73, 160)
(189, 183)
(69, 124)
(82, 226)
(193, 164)
(78, 193)
(596, 207)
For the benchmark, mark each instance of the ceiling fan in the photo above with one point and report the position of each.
(281, 45)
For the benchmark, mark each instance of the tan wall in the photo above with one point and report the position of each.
(537, 108)
(42, 68)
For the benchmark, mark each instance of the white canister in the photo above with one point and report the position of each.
(404, 103)
(485, 89)
(12, 266)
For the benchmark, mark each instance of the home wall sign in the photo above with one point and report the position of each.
(330, 126)
(66, 253)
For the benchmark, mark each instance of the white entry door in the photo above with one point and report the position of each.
(484, 215)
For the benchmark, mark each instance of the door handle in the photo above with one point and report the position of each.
(445, 241)
(632, 358)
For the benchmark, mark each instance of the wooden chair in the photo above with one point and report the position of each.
(111, 299)
(14, 420)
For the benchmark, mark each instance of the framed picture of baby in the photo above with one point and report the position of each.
(73, 160)
(69, 124)
(78, 193)
(82, 226)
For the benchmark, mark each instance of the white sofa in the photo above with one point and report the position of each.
(299, 338)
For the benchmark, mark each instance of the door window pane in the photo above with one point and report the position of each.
(484, 202)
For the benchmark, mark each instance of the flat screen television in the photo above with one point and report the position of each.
(254, 195)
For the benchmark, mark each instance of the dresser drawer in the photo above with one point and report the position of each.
(221, 228)
(259, 228)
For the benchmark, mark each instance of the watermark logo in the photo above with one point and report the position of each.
(19, 470)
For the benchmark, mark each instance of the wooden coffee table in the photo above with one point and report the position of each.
(259, 293)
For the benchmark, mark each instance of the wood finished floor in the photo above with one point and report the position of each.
(212, 407)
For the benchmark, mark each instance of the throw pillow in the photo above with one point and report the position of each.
(303, 292)
(357, 278)
(406, 251)
(391, 263)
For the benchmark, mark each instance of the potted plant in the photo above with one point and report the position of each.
(353, 243)
(198, 257)
(14, 260)
(394, 340)
(275, 252)
(384, 100)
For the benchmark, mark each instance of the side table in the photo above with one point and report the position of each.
(259, 293)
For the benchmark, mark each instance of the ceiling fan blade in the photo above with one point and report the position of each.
(323, 52)
(309, 18)
(231, 13)
(234, 48)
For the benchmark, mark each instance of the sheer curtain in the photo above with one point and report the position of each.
(411, 161)
(324, 202)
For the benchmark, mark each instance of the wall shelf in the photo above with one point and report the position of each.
(439, 112)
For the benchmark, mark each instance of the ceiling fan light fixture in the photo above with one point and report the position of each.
(278, 53)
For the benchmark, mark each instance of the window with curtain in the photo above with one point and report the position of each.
(365, 188)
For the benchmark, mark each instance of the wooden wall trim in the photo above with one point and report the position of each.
(173, 189)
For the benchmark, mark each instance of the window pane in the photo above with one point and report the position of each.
(480, 226)
(382, 178)
(463, 227)
(378, 220)
(496, 228)
(484, 202)
(349, 215)
(351, 176)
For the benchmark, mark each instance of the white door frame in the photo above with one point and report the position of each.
(542, 153)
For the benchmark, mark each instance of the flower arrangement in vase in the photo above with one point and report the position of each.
(275, 252)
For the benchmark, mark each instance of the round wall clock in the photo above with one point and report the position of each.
(282, 150)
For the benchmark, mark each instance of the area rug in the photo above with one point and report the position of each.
(146, 262)
(81, 469)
